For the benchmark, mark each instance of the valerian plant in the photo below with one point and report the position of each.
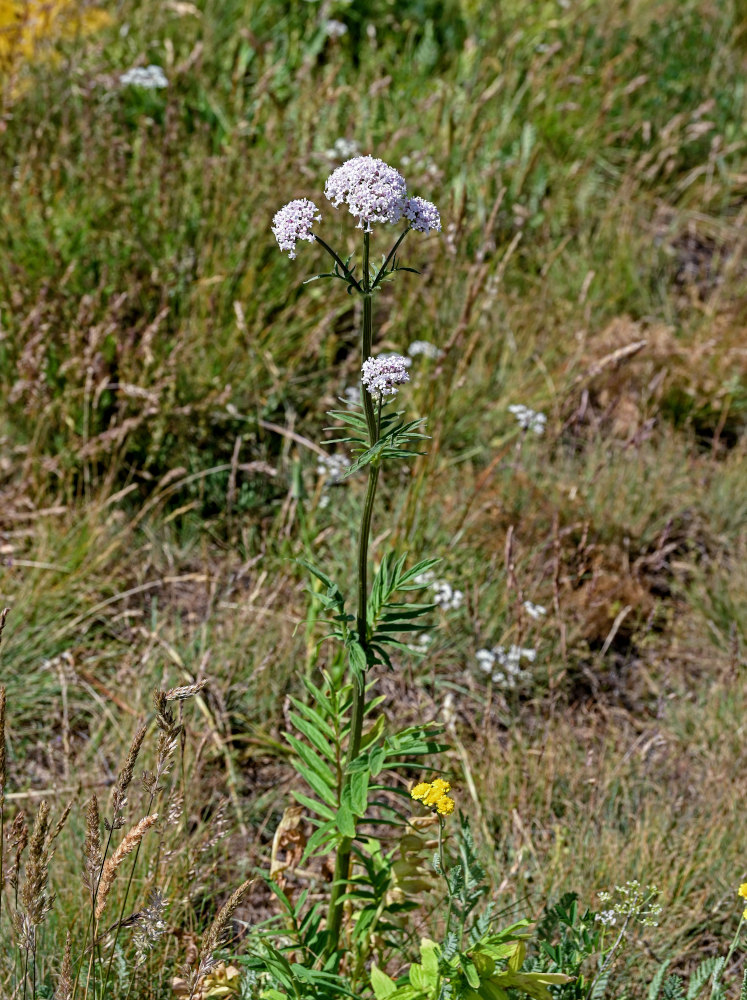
(347, 937)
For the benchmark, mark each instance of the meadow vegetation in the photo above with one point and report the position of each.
(166, 380)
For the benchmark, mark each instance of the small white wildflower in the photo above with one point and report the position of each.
(373, 191)
(448, 712)
(632, 902)
(425, 348)
(334, 29)
(294, 221)
(422, 643)
(446, 597)
(147, 77)
(528, 420)
(535, 611)
(509, 659)
(332, 467)
(381, 376)
(422, 215)
(423, 579)
(607, 917)
(485, 660)
(343, 149)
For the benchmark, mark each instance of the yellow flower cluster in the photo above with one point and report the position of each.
(435, 795)
(743, 893)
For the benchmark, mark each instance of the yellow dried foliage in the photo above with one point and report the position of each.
(29, 29)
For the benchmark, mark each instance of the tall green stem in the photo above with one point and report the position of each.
(342, 862)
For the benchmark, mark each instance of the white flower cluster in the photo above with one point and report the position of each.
(332, 467)
(147, 77)
(511, 674)
(422, 215)
(376, 193)
(535, 611)
(334, 29)
(631, 902)
(528, 420)
(424, 347)
(295, 221)
(445, 596)
(382, 375)
(421, 644)
(342, 149)
(373, 191)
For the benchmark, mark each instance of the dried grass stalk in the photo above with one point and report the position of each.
(124, 778)
(222, 919)
(34, 889)
(60, 825)
(65, 980)
(3, 758)
(213, 938)
(92, 847)
(129, 842)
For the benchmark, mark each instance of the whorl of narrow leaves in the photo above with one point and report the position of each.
(129, 842)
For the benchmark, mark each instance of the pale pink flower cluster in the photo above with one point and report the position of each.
(374, 193)
(382, 375)
(372, 190)
(423, 215)
(294, 221)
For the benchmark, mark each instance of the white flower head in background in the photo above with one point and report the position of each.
(424, 348)
(343, 149)
(511, 673)
(528, 420)
(445, 596)
(334, 29)
(535, 611)
(332, 467)
(146, 77)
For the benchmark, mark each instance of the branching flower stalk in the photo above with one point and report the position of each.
(374, 194)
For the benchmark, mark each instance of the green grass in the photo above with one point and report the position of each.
(588, 160)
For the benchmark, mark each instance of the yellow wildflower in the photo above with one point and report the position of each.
(434, 794)
(420, 791)
(445, 806)
(743, 890)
